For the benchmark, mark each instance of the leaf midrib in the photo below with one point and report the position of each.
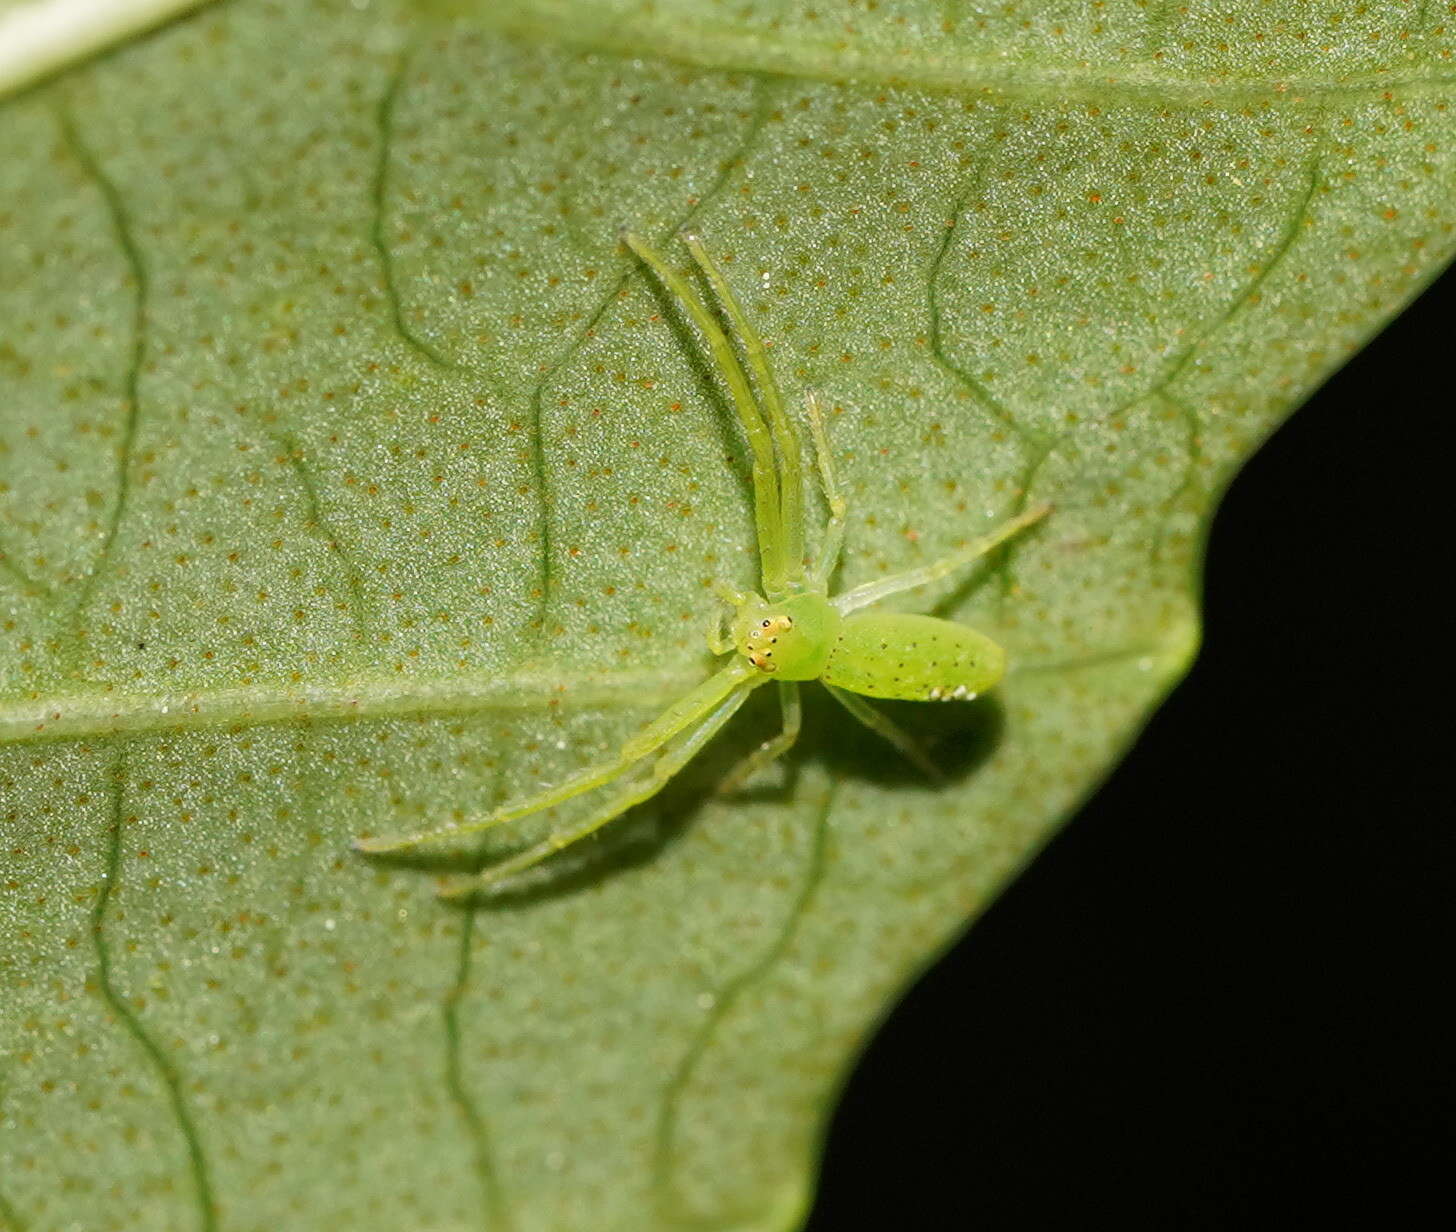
(108, 711)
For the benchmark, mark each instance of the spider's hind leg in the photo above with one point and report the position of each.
(888, 730)
(872, 592)
(770, 750)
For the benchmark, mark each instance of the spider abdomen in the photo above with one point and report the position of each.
(912, 658)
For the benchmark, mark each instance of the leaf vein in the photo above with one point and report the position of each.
(497, 1211)
(670, 1106)
(721, 48)
(1189, 481)
(1162, 387)
(1280, 250)
(998, 410)
(101, 713)
(385, 118)
(132, 1024)
(319, 525)
(131, 381)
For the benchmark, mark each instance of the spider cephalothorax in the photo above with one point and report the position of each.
(790, 639)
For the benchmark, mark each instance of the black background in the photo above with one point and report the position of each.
(1217, 999)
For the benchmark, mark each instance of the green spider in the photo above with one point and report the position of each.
(793, 631)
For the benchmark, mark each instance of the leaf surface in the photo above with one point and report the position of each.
(352, 478)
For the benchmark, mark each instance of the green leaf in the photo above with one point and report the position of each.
(352, 477)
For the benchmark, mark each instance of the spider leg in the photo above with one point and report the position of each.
(833, 541)
(720, 632)
(786, 441)
(719, 641)
(873, 592)
(769, 750)
(887, 729)
(730, 595)
(683, 713)
(766, 506)
(663, 769)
